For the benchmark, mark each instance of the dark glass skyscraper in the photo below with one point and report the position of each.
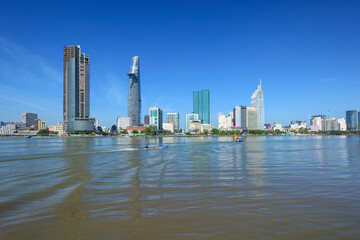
(351, 119)
(201, 105)
(76, 98)
(134, 99)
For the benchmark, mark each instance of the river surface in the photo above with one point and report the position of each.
(198, 188)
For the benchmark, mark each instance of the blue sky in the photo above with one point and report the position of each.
(307, 54)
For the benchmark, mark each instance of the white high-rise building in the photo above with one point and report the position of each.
(224, 122)
(173, 118)
(156, 117)
(317, 124)
(123, 123)
(257, 101)
(342, 124)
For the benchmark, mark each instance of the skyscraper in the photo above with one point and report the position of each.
(173, 118)
(29, 119)
(201, 105)
(134, 99)
(257, 101)
(156, 117)
(190, 117)
(351, 119)
(76, 98)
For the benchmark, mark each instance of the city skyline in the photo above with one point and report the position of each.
(182, 56)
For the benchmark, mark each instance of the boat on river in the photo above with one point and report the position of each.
(159, 147)
(238, 139)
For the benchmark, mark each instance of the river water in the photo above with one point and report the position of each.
(198, 188)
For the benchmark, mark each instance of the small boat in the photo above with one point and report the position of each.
(159, 147)
(238, 139)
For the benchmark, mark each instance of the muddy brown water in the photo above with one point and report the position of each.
(198, 188)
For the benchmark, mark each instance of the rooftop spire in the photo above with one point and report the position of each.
(260, 85)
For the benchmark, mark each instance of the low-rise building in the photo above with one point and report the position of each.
(59, 128)
(195, 126)
(40, 124)
(206, 127)
(190, 117)
(8, 129)
(123, 123)
(278, 126)
(169, 127)
(135, 128)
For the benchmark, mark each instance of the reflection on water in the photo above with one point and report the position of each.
(277, 187)
(71, 212)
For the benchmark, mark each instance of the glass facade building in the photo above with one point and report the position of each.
(29, 119)
(156, 117)
(257, 101)
(76, 91)
(173, 118)
(201, 105)
(351, 119)
(134, 97)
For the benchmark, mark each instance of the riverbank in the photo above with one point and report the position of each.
(165, 136)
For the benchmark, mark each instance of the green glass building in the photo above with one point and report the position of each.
(201, 105)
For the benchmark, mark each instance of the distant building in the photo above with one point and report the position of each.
(146, 120)
(231, 114)
(8, 129)
(195, 126)
(190, 117)
(156, 117)
(245, 118)
(330, 125)
(268, 127)
(224, 122)
(342, 124)
(76, 91)
(278, 126)
(40, 124)
(257, 101)
(168, 126)
(137, 128)
(29, 119)
(206, 127)
(317, 124)
(317, 116)
(201, 105)
(134, 98)
(351, 119)
(237, 116)
(97, 124)
(58, 128)
(252, 119)
(173, 118)
(122, 123)
(297, 124)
